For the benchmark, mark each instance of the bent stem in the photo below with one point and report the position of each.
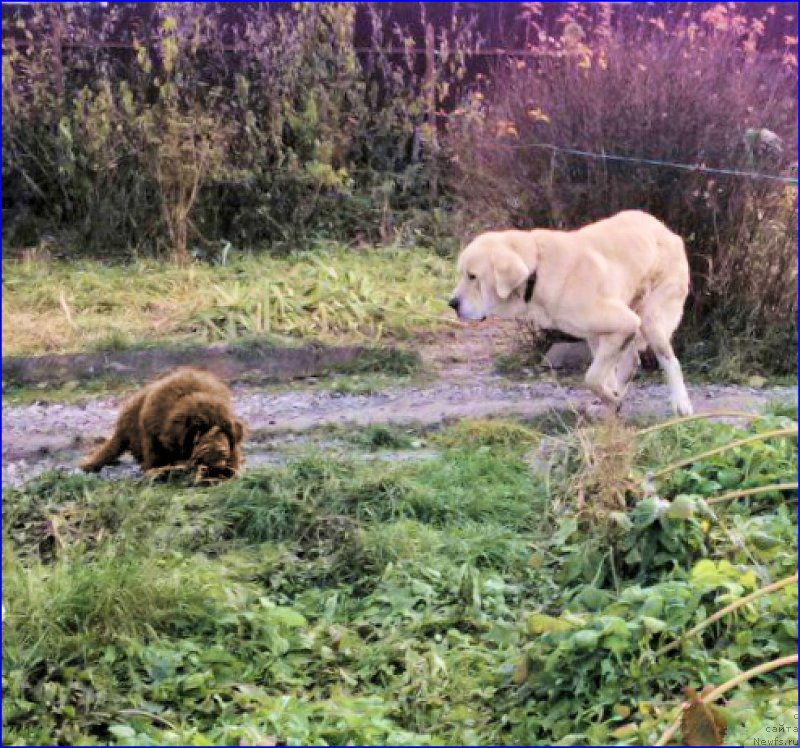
(741, 493)
(728, 609)
(698, 416)
(790, 431)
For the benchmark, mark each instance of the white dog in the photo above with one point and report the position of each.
(620, 284)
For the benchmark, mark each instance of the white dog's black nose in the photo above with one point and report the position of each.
(454, 303)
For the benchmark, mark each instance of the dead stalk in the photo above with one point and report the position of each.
(765, 667)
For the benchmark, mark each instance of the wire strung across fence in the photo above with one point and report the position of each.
(700, 168)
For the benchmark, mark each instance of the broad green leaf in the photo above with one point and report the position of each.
(586, 639)
(122, 732)
(539, 623)
(654, 625)
(681, 507)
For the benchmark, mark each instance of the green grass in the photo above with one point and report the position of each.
(382, 436)
(331, 294)
(461, 599)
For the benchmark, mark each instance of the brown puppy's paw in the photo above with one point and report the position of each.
(88, 465)
(167, 472)
(209, 476)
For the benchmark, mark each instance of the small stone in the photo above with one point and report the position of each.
(568, 356)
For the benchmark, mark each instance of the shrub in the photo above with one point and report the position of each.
(187, 123)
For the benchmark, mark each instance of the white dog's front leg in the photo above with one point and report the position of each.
(627, 366)
(601, 378)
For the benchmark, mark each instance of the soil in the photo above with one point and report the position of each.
(43, 435)
(264, 363)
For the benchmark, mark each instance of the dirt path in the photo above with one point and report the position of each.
(44, 435)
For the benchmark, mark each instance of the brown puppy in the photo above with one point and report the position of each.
(186, 417)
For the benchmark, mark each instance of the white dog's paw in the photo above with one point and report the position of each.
(683, 406)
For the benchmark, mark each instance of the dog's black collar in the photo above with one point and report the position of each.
(531, 282)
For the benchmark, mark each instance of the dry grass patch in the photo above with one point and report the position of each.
(334, 296)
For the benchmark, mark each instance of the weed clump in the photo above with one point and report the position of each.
(488, 433)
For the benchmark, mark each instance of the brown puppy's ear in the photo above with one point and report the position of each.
(191, 436)
(510, 272)
(239, 430)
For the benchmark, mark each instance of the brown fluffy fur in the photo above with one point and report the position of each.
(185, 416)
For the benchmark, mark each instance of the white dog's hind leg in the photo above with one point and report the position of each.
(679, 397)
(657, 327)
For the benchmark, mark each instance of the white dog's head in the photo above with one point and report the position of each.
(494, 277)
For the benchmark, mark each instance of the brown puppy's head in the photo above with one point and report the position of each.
(217, 452)
(211, 448)
(494, 275)
(194, 415)
(217, 445)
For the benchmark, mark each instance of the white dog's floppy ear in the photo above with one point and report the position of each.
(510, 272)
